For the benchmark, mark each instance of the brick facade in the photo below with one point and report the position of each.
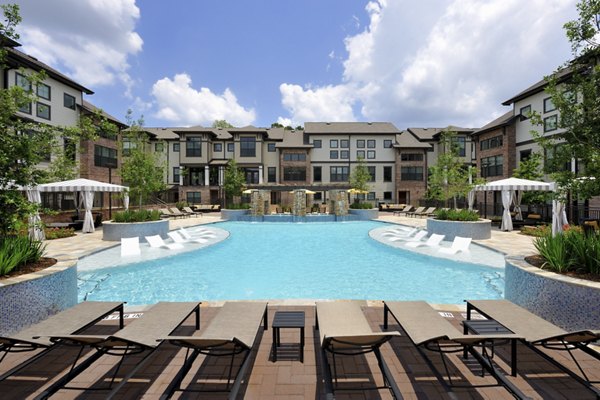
(416, 189)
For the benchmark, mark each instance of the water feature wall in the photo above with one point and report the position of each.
(338, 202)
(259, 202)
(299, 206)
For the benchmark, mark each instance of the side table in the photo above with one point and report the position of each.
(287, 319)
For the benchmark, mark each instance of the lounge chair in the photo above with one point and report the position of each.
(178, 238)
(69, 321)
(428, 330)
(130, 246)
(403, 211)
(234, 330)
(458, 244)
(344, 330)
(417, 211)
(433, 241)
(157, 241)
(178, 213)
(430, 211)
(192, 212)
(166, 213)
(203, 233)
(141, 335)
(416, 238)
(402, 231)
(537, 332)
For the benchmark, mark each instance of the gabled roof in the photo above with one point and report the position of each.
(406, 140)
(161, 133)
(333, 128)
(430, 134)
(537, 87)
(89, 107)
(293, 139)
(506, 119)
(16, 59)
(276, 133)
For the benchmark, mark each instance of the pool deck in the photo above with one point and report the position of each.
(288, 378)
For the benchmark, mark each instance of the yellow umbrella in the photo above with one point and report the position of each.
(356, 191)
(248, 191)
(310, 192)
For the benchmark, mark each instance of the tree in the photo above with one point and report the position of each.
(531, 169)
(449, 178)
(360, 177)
(142, 170)
(234, 181)
(575, 92)
(221, 123)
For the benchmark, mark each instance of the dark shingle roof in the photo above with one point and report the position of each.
(89, 107)
(406, 140)
(350, 127)
(537, 87)
(503, 120)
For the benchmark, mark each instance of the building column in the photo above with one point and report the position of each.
(220, 176)
(260, 174)
(206, 175)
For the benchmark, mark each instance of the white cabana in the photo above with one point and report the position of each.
(35, 230)
(89, 188)
(508, 187)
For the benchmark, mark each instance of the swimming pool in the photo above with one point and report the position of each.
(290, 261)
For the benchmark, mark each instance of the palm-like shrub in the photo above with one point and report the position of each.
(16, 251)
(570, 251)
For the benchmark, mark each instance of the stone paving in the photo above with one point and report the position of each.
(288, 378)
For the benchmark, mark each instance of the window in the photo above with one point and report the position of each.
(387, 174)
(492, 166)
(128, 145)
(411, 173)
(272, 174)
(387, 144)
(230, 147)
(345, 144)
(318, 196)
(344, 154)
(105, 157)
(294, 157)
(271, 147)
(22, 82)
(525, 112)
(459, 144)
(69, 101)
(247, 146)
(159, 147)
(360, 154)
(42, 110)
(550, 123)
(411, 157)
(371, 154)
(251, 175)
(26, 108)
(387, 195)
(43, 91)
(196, 176)
(360, 144)
(524, 154)
(333, 154)
(371, 196)
(217, 147)
(549, 105)
(193, 147)
(317, 174)
(317, 143)
(294, 174)
(176, 147)
(193, 197)
(333, 144)
(371, 143)
(338, 174)
(372, 173)
(176, 174)
(491, 143)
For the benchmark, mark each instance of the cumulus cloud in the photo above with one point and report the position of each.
(90, 40)
(178, 102)
(438, 63)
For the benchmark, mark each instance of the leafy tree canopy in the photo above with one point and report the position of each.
(221, 123)
(360, 177)
(234, 180)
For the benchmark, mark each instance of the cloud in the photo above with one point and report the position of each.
(438, 63)
(178, 102)
(91, 40)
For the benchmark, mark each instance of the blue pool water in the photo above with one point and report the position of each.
(293, 261)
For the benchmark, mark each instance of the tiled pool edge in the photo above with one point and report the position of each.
(30, 298)
(567, 302)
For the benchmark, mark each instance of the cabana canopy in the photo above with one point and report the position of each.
(88, 187)
(509, 186)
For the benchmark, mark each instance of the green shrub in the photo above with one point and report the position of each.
(538, 231)
(361, 206)
(136, 216)
(16, 251)
(555, 251)
(456, 215)
(181, 204)
(58, 233)
(570, 251)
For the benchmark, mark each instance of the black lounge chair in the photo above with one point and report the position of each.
(537, 332)
(344, 330)
(234, 330)
(430, 331)
(69, 321)
(143, 334)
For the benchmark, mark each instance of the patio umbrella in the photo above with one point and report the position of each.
(248, 191)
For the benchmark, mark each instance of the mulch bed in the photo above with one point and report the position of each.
(43, 263)
(538, 261)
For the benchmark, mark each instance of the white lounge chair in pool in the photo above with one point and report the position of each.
(417, 238)
(202, 233)
(404, 231)
(179, 238)
(433, 241)
(130, 246)
(157, 241)
(459, 244)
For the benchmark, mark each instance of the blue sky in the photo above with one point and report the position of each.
(183, 63)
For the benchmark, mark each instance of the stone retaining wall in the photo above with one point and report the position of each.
(476, 230)
(114, 231)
